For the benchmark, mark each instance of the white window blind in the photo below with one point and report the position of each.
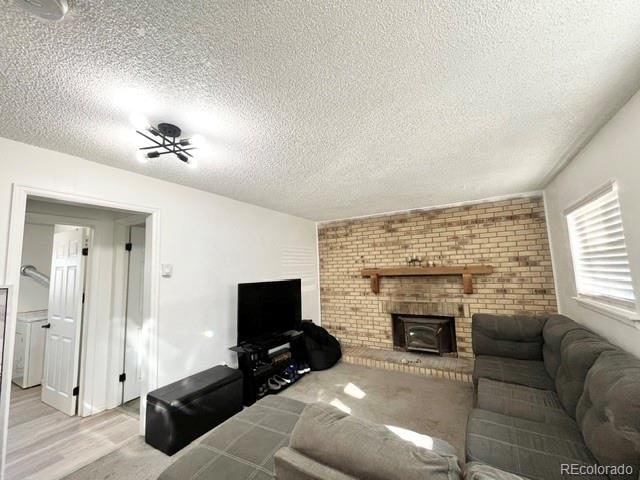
(600, 260)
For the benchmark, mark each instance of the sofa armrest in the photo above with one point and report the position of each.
(512, 336)
(292, 465)
(363, 449)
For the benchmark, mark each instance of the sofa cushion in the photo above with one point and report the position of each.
(363, 449)
(530, 373)
(482, 471)
(609, 410)
(554, 330)
(531, 449)
(522, 402)
(513, 336)
(579, 349)
(241, 447)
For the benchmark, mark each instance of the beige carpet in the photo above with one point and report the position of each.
(430, 406)
(427, 405)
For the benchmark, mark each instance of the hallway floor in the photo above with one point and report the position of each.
(46, 444)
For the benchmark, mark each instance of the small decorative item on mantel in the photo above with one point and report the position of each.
(414, 261)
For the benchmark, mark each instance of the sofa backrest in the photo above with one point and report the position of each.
(579, 349)
(608, 412)
(554, 330)
(513, 336)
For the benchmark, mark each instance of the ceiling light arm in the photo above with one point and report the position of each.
(171, 151)
(161, 145)
(174, 146)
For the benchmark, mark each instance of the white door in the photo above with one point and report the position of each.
(133, 331)
(62, 344)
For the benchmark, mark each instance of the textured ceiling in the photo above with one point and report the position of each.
(326, 109)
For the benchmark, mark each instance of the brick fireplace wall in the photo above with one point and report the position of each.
(510, 235)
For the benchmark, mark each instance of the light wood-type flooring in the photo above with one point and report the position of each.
(46, 444)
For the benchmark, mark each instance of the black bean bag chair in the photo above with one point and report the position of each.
(323, 349)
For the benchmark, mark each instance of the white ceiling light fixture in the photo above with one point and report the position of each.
(198, 141)
(140, 122)
(49, 10)
(142, 156)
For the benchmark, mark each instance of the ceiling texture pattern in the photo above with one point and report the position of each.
(326, 109)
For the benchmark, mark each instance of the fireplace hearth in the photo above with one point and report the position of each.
(424, 333)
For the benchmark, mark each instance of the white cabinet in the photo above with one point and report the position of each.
(28, 355)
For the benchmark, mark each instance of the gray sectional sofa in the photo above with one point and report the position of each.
(552, 400)
(551, 396)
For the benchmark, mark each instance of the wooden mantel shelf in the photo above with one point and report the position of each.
(466, 272)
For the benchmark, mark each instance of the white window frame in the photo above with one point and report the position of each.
(620, 309)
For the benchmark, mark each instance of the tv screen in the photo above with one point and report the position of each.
(268, 308)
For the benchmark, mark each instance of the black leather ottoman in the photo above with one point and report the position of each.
(180, 412)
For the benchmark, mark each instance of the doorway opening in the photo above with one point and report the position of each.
(79, 367)
(48, 335)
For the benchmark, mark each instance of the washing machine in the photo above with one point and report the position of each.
(28, 355)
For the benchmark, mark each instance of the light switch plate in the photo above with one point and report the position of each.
(167, 269)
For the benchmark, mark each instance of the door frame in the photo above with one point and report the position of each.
(19, 196)
(8, 312)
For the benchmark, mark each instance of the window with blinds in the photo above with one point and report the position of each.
(600, 260)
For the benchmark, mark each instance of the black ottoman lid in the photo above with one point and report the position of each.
(194, 386)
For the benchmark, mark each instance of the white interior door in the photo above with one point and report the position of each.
(62, 344)
(133, 335)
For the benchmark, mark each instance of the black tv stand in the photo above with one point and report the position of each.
(268, 342)
(263, 358)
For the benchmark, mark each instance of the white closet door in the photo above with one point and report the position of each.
(133, 346)
(62, 344)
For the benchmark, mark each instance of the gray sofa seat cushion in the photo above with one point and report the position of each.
(482, 471)
(522, 402)
(243, 446)
(363, 449)
(513, 336)
(555, 328)
(609, 410)
(531, 449)
(578, 351)
(530, 373)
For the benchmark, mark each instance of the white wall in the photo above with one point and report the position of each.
(613, 154)
(36, 251)
(213, 243)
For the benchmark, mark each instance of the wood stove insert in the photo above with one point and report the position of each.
(424, 333)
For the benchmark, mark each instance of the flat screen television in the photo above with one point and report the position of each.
(268, 309)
